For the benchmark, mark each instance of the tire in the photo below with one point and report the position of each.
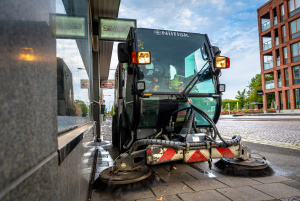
(115, 131)
(124, 134)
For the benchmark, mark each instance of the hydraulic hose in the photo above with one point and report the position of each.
(210, 121)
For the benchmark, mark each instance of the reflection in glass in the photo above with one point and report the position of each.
(73, 63)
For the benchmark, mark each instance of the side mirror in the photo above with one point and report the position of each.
(216, 51)
(123, 53)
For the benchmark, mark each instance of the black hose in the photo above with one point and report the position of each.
(210, 121)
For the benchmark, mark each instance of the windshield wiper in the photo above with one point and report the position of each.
(183, 94)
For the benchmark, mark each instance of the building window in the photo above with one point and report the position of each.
(283, 34)
(297, 98)
(285, 55)
(282, 12)
(279, 79)
(295, 28)
(295, 52)
(296, 75)
(293, 5)
(286, 77)
(288, 99)
(281, 102)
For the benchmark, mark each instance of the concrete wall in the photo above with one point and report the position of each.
(29, 167)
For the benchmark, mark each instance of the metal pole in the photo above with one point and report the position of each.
(229, 108)
(237, 105)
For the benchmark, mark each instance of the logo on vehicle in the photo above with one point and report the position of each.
(157, 32)
(170, 33)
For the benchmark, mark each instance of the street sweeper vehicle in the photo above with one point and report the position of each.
(167, 103)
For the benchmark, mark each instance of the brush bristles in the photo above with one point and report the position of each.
(234, 171)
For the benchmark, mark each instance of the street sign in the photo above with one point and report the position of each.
(66, 26)
(115, 29)
(109, 84)
(260, 92)
(85, 84)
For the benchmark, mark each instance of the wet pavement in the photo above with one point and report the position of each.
(197, 182)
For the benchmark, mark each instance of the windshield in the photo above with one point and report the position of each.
(175, 59)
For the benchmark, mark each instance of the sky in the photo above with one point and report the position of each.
(230, 24)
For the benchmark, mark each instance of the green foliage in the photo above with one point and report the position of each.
(232, 104)
(83, 106)
(105, 111)
(254, 86)
(74, 108)
(112, 111)
(241, 97)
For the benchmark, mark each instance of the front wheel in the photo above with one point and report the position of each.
(115, 131)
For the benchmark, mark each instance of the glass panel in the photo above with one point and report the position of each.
(282, 9)
(278, 61)
(265, 26)
(177, 58)
(275, 20)
(291, 5)
(298, 24)
(294, 49)
(293, 27)
(281, 102)
(285, 52)
(297, 4)
(73, 63)
(288, 98)
(276, 41)
(296, 72)
(283, 31)
(208, 105)
(297, 98)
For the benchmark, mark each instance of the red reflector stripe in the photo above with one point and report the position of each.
(226, 152)
(168, 155)
(197, 156)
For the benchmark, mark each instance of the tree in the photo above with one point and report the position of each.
(112, 111)
(254, 86)
(241, 97)
(84, 108)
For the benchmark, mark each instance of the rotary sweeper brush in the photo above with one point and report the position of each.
(167, 104)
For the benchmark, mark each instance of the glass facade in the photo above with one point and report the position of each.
(283, 34)
(296, 75)
(295, 49)
(288, 99)
(285, 55)
(281, 102)
(286, 76)
(279, 79)
(282, 12)
(297, 98)
(293, 5)
(73, 53)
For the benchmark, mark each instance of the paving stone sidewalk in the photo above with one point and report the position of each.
(189, 182)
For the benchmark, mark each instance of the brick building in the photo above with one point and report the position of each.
(279, 41)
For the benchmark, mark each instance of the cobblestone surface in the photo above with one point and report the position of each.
(277, 133)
